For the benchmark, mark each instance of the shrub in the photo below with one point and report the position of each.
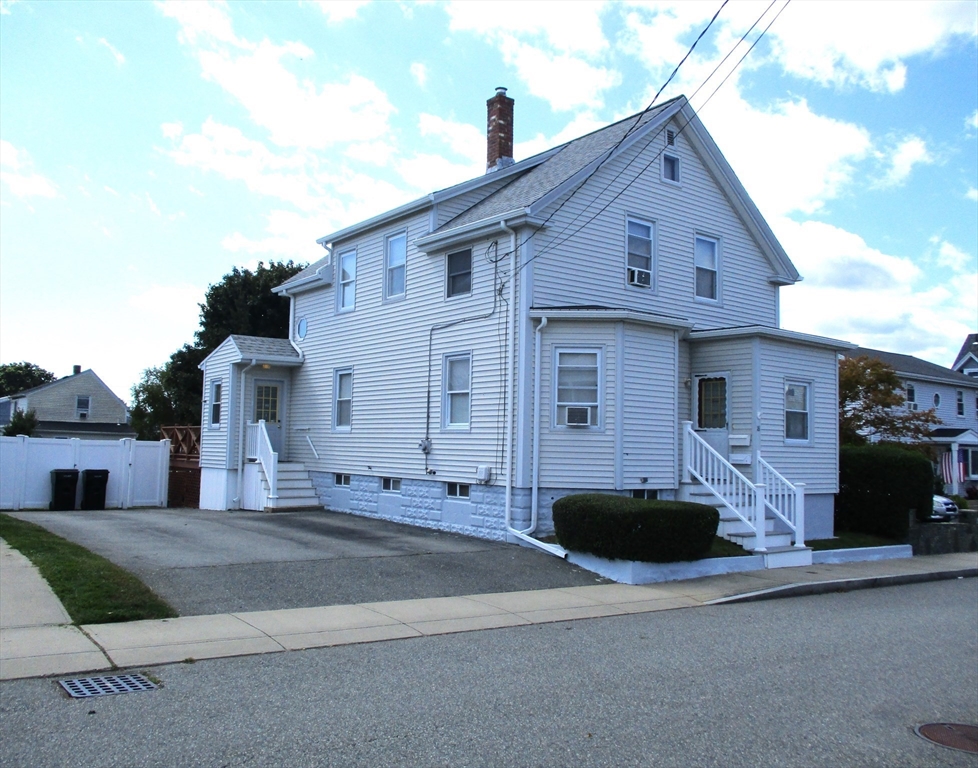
(878, 486)
(623, 528)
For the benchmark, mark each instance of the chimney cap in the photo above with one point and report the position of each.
(500, 89)
(75, 370)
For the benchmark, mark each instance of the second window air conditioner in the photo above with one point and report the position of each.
(579, 417)
(640, 277)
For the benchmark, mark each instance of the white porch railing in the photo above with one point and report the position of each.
(748, 501)
(258, 447)
(732, 489)
(784, 499)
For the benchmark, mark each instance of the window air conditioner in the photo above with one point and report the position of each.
(640, 277)
(579, 417)
(911, 406)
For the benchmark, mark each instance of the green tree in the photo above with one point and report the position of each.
(21, 423)
(242, 303)
(16, 377)
(872, 405)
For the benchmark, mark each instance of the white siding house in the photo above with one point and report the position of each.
(600, 317)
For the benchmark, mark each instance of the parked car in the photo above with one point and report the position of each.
(944, 509)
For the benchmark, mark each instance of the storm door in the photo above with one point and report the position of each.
(710, 405)
(270, 407)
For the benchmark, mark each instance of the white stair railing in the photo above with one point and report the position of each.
(784, 499)
(721, 478)
(251, 442)
(268, 458)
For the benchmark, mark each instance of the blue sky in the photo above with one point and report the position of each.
(148, 148)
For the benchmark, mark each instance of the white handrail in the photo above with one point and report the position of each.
(785, 499)
(720, 477)
(251, 442)
(268, 459)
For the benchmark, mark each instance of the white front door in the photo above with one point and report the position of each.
(270, 407)
(710, 410)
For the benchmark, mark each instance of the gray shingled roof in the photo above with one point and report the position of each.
(970, 345)
(256, 346)
(910, 366)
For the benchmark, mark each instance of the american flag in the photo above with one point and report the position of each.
(948, 467)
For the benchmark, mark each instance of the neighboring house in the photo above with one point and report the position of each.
(466, 359)
(954, 398)
(967, 360)
(80, 405)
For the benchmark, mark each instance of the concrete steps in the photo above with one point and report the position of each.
(295, 489)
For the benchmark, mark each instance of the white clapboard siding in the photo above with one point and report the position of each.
(58, 401)
(572, 457)
(734, 358)
(947, 410)
(214, 448)
(386, 345)
(815, 463)
(589, 267)
(649, 407)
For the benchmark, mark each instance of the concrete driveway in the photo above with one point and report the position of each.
(206, 562)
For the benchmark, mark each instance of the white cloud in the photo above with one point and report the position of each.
(202, 21)
(116, 54)
(950, 256)
(972, 194)
(6, 5)
(908, 153)
(17, 172)
(152, 205)
(109, 189)
(291, 236)
(375, 152)
(340, 10)
(973, 120)
(463, 139)
(420, 73)
(172, 130)
(857, 293)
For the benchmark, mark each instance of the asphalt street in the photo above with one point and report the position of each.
(828, 680)
(206, 562)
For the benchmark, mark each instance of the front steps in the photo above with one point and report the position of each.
(778, 550)
(295, 490)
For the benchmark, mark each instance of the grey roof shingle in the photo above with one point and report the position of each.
(913, 366)
(970, 345)
(257, 346)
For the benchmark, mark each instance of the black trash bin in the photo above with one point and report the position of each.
(94, 482)
(64, 483)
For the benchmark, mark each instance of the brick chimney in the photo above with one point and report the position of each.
(499, 131)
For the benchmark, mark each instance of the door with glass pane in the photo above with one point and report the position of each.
(270, 407)
(710, 410)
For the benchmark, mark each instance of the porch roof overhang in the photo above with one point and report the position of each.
(776, 334)
(256, 350)
(609, 314)
(951, 436)
(441, 241)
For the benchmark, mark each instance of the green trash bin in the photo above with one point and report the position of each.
(94, 482)
(64, 484)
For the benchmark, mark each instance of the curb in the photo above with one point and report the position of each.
(844, 585)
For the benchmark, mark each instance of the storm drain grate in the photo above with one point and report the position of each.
(84, 687)
(953, 735)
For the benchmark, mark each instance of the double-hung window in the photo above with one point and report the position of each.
(216, 403)
(640, 257)
(396, 258)
(459, 273)
(797, 409)
(577, 387)
(343, 399)
(960, 402)
(83, 404)
(670, 169)
(457, 379)
(911, 398)
(707, 266)
(346, 294)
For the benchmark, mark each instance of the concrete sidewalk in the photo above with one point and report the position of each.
(34, 640)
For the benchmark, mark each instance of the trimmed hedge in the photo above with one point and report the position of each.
(878, 486)
(623, 528)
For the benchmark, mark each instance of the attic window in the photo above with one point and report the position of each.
(671, 138)
(670, 169)
(82, 406)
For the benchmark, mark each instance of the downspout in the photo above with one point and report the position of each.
(241, 425)
(534, 502)
(511, 410)
(295, 346)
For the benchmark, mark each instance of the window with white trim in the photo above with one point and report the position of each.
(937, 399)
(577, 387)
(391, 484)
(458, 273)
(396, 259)
(671, 169)
(343, 399)
(707, 266)
(912, 398)
(457, 490)
(346, 290)
(83, 404)
(457, 387)
(342, 480)
(639, 253)
(797, 396)
(960, 402)
(973, 463)
(645, 493)
(216, 403)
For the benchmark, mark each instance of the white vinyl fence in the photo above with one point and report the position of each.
(139, 472)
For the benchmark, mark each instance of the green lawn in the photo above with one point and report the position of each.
(847, 540)
(93, 590)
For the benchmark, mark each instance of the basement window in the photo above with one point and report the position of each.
(457, 490)
(391, 484)
(342, 480)
(645, 493)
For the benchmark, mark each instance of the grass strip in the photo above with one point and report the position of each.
(850, 540)
(92, 590)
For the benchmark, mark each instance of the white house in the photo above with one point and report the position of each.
(967, 360)
(603, 316)
(80, 405)
(954, 398)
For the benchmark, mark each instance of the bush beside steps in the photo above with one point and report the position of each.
(645, 530)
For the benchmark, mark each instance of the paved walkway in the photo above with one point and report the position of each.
(36, 641)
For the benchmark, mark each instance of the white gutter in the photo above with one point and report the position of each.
(295, 346)
(241, 425)
(523, 535)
